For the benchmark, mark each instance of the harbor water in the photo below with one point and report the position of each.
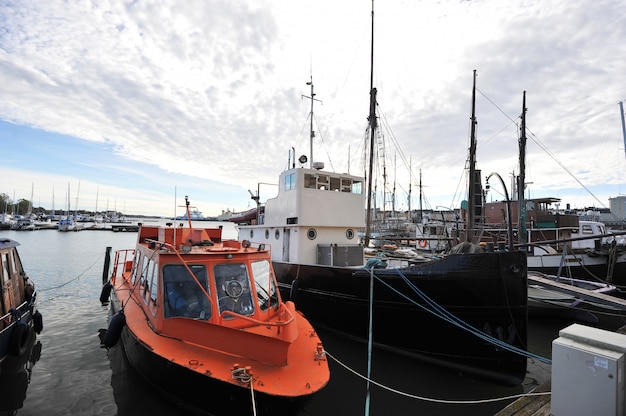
(71, 374)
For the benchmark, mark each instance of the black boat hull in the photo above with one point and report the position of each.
(488, 291)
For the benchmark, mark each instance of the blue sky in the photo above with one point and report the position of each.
(137, 104)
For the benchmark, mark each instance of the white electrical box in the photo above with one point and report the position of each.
(588, 372)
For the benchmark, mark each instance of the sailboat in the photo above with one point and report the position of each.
(467, 311)
(558, 242)
(68, 223)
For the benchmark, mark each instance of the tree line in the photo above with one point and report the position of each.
(21, 207)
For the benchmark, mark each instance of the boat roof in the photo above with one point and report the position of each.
(7, 243)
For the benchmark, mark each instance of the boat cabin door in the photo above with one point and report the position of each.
(286, 237)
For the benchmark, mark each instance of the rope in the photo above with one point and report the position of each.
(433, 400)
(252, 398)
(71, 280)
(241, 374)
(444, 314)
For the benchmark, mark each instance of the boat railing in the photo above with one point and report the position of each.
(599, 237)
(124, 257)
(284, 309)
(6, 318)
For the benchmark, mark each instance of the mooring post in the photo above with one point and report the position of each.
(107, 263)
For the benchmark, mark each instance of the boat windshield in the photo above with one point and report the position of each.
(233, 289)
(183, 295)
(264, 283)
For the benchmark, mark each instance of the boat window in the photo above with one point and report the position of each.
(183, 296)
(264, 283)
(143, 277)
(587, 229)
(153, 276)
(290, 181)
(357, 187)
(150, 280)
(233, 289)
(309, 181)
(323, 182)
(346, 185)
(5, 269)
(137, 262)
(16, 264)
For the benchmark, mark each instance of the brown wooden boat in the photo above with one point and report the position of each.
(18, 303)
(202, 319)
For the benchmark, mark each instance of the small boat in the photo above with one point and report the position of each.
(25, 224)
(19, 314)
(67, 223)
(594, 303)
(202, 319)
(247, 217)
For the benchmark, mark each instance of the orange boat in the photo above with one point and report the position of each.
(202, 320)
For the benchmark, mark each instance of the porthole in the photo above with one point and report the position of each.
(251, 234)
(267, 234)
(311, 233)
(349, 233)
(277, 234)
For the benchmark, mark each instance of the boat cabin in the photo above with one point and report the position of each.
(314, 219)
(546, 225)
(185, 278)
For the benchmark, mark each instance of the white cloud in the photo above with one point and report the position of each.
(213, 89)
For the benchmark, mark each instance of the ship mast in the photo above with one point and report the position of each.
(312, 132)
(372, 123)
(471, 197)
(522, 176)
(621, 113)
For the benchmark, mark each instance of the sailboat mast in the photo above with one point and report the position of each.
(409, 197)
(522, 176)
(420, 189)
(372, 122)
(471, 197)
(621, 113)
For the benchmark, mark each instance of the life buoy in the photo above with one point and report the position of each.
(115, 329)
(106, 292)
(19, 339)
(422, 243)
(37, 322)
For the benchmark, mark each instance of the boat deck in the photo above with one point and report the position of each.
(607, 300)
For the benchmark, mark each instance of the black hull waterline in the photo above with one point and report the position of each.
(488, 291)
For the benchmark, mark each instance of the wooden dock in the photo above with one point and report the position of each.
(541, 404)
(537, 405)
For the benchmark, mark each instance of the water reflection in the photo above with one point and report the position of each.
(346, 393)
(133, 396)
(15, 375)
